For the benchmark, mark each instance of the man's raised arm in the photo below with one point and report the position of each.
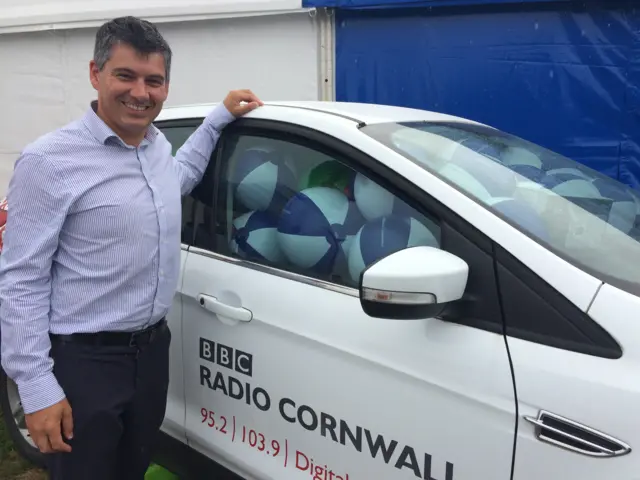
(193, 157)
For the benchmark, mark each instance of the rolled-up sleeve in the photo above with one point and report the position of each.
(38, 202)
(193, 157)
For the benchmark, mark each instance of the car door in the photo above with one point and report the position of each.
(285, 375)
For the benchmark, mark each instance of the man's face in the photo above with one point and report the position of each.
(131, 91)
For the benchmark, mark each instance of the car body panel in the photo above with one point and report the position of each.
(599, 393)
(360, 112)
(427, 385)
(174, 420)
(576, 285)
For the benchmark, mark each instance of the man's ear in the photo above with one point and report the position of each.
(93, 74)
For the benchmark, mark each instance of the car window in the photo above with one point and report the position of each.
(584, 216)
(291, 207)
(196, 207)
(178, 135)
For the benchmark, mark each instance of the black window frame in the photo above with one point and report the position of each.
(163, 125)
(484, 306)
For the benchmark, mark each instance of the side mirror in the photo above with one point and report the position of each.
(413, 283)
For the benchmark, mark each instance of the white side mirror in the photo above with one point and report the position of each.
(413, 283)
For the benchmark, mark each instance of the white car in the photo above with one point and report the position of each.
(374, 292)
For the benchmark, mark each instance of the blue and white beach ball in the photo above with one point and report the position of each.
(624, 208)
(373, 201)
(316, 227)
(262, 180)
(480, 145)
(255, 237)
(482, 177)
(524, 162)
(570, 182)
(384, 236)
(523, 215)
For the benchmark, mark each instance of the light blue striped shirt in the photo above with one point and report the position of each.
(92, 241)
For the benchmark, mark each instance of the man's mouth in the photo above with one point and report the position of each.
(135, 106)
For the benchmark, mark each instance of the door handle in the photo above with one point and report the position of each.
(219, 308)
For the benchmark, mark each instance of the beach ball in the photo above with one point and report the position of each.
(513, 156)
(330, 173)
(522, 215)
(570, 183)
(624, 209)
(480, 176)
(524, 162)
(580, 190)
(254, 236)
(384, 236)
(373, 201)
(316, 228)
(262, 180)
(480, 145)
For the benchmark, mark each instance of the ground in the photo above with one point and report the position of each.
(12, 466)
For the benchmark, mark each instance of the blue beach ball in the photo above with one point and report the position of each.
(255, 237)
(262, 180)
(384, 236)
(316, 227)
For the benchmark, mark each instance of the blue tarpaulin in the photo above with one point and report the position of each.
(362, 4)
(565, 75)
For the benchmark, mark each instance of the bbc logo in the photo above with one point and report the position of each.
(228, 357)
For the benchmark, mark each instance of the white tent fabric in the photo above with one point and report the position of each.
(45, 74)
(28, 15)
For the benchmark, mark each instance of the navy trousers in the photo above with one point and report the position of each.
(118, 396)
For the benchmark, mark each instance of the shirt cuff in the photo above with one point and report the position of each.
(220, 117)
(40, 393)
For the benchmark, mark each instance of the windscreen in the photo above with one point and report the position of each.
(585, 217)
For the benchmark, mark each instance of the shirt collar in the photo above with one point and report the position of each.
(102, 132)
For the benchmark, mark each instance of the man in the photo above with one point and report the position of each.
(90, 262)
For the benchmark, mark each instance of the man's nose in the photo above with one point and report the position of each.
(139, 91)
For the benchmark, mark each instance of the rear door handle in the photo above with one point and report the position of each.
(219, 308)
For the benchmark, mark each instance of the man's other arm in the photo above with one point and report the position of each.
(38, 202)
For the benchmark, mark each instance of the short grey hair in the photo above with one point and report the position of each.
(142, 35)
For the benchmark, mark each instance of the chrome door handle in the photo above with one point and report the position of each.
(219, 308)
(562, 432)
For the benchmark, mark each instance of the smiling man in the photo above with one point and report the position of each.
(90, 261)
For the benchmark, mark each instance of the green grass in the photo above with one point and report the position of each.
(13, 467)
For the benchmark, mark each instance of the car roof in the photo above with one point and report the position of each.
(365, 113)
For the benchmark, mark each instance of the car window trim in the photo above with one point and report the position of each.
(194, 122)
(279, 272)
(177, 123)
